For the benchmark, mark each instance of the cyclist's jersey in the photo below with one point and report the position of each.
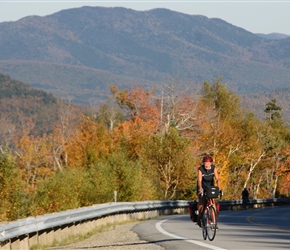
(207, 176)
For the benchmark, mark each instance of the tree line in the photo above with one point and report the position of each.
(146, 146)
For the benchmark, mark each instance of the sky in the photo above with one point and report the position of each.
(254, 16)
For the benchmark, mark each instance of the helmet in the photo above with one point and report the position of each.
(207, 159)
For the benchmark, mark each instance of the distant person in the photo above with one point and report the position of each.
(245, 197)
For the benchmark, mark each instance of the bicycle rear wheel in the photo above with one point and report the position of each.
(212, 223)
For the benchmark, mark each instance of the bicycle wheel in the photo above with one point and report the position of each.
(204, 224)
(212, 223)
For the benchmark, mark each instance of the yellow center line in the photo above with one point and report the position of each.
(250, 219)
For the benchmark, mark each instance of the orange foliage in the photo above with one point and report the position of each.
(284, 173)
(134, 134)
(34, 159)
(90, 136)
(139, 102)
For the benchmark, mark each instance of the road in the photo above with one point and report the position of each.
(263, 229)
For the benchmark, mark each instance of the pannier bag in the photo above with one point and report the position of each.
(212, 192)
(218, 206)
(192, 211)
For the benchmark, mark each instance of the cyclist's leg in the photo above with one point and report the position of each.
(200, 208)
(215, 205)
(201, 205)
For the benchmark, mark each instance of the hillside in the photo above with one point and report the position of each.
(257, 103)
(75, 54)
(25, 109)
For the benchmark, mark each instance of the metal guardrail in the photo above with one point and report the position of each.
(48, 221)
(231, 204)
(25, 227)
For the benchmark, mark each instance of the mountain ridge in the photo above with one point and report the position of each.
(76, 53)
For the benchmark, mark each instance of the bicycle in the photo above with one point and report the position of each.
(209, 217)
(245, 202)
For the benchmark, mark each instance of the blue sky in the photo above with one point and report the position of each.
(254, 16)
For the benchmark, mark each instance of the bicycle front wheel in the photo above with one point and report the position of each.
(212, 223)
(204, 224)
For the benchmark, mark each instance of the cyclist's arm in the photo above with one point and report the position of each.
(199, 182)
(216, 175)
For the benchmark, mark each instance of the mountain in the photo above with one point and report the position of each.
(274, 36)
(76, 53)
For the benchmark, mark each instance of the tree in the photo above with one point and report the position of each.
(272, 109)
(90, 143)
(225, 102)
(137, 103)
(275, 143)
(35, 160)
(62, 133)
(128, 179)
(170, 155)
(132, 135)
(10, 188)
(284, 173)
(109, 115)
(221, 135)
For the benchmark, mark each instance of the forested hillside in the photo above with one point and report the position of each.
(146, 146)
(25, 110)
(257, 102)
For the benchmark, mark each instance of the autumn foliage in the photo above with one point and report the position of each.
(146, 146)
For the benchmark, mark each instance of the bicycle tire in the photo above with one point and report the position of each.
(204, 224)
(211, 223)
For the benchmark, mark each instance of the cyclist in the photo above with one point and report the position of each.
(207, 175)
(245, 197)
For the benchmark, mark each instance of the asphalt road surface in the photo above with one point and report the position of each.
(263, 229)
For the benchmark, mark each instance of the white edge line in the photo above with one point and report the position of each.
(161, 230)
